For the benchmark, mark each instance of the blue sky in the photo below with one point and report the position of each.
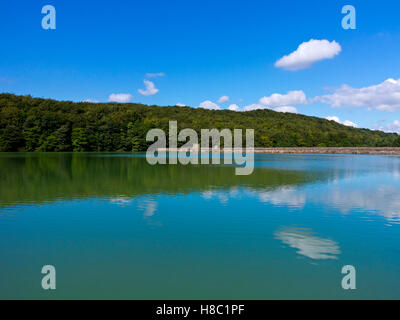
(208, 49)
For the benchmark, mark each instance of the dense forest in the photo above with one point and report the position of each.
(33, 124)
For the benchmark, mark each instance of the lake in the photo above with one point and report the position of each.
(114, 226)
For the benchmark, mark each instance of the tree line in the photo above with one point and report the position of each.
(45, 125)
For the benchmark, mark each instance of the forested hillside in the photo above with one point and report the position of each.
(33, 124)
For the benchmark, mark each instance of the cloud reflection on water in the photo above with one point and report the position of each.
(147, 206)
(285, 196)
(308, 244)
(383, 200)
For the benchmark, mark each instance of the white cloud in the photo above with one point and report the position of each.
(333, 118)
(308, 53)
(391, 127)
(223, 99)
(280, 100)
(350, 124)
(254, 106)
(287, 109)
(91, 101)
(120, 97)
(384, 96)
(180, 104)
(155, 75)
(234, 107)
(150, 88)
(346, 122)
(209, 105)
(277, 102)
(258, 106)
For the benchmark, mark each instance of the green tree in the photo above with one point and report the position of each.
(79, 140)
(49, 144)
(34, 124)
(63, 138)
(266, 142)
(11, 139)
(32, 137)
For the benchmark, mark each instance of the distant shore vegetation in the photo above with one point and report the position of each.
(45, 125)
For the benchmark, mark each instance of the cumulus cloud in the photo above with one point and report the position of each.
(308, 53)
(254, 106)
(333, 118)
(155, 75)
(350, 124)
(286, 109)
(180, 104)
(234, 107)
(150, 89)
(391, 127)
(346, 122)
(120, 97)
(223, 99)
(258, 106)
(91, 101)
(384, 96)
(279, 100)
(207, 104)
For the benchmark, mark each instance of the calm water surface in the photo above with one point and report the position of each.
(116, 227)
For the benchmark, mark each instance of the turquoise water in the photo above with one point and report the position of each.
(115, 227)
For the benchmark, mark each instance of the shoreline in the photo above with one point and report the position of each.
(333, 150)
(302, 150)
